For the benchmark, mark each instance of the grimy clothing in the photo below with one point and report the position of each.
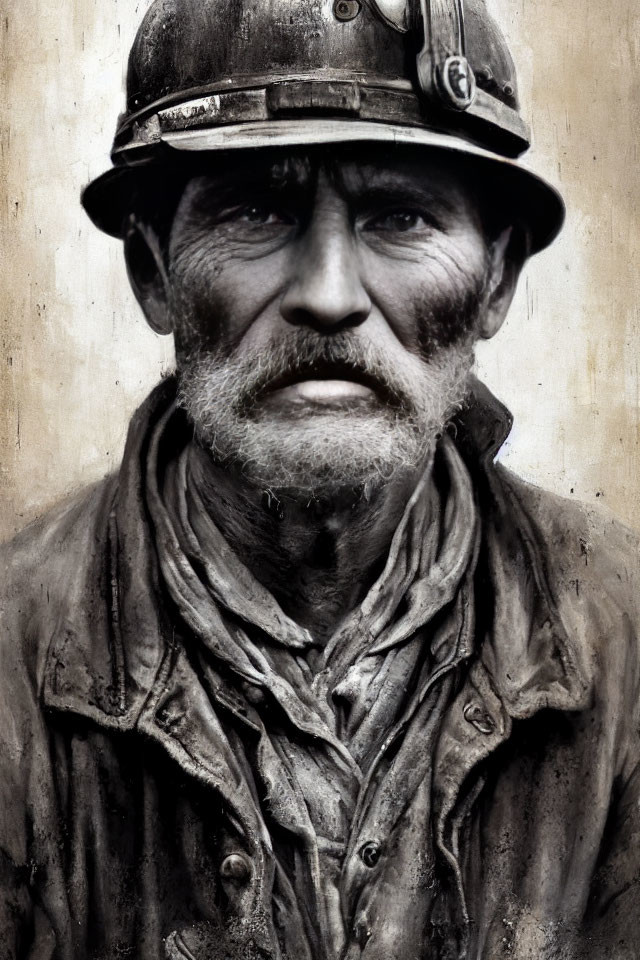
(378, 687)
(455, 776)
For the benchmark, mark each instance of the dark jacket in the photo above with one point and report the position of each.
(122, 810)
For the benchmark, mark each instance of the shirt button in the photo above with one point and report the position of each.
(236, 867)
(475, 714)
(370, 853)
(255, 695)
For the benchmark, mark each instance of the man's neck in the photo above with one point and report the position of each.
(318, 557)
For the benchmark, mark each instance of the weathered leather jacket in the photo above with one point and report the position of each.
(124, 830)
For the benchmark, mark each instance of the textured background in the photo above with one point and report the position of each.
(76, 357)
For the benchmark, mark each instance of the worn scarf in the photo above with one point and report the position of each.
(348, 752)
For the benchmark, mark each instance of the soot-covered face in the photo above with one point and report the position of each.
(325, 309)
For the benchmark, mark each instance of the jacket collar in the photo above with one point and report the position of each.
(531, 658)
(113, 636)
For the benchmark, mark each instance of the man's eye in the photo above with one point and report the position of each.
(262, 215)
(398, 221)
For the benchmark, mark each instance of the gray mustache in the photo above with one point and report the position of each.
(341, 357)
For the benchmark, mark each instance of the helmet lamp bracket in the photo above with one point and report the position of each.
(442, 66)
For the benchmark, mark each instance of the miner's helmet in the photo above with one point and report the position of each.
(229, 75)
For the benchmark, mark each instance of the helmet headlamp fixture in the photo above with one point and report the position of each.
(239, 74)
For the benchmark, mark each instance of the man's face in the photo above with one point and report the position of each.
(325, 313)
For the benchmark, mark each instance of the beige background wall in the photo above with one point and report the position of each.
(76, 358)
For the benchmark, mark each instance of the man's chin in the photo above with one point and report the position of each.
(321, 434)
(317, 453)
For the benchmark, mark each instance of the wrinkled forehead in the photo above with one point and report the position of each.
(351, 169)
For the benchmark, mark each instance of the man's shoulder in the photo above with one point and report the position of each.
(42, 561)
(73, 528)
(62, 525)
(41, 568)
(583, 548)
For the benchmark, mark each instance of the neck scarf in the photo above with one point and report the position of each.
(384, 680)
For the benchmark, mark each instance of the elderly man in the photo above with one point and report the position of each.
(311, 677)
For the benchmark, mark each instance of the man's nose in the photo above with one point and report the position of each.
(326, 290)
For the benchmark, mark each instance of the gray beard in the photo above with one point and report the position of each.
(312, 452)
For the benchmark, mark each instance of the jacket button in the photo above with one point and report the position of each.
(475, 714)
(370, 853)
(236, 867)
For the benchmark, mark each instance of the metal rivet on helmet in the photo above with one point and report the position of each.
(484, 75)
(346, 9)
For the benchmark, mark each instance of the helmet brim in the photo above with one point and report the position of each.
(533, 201)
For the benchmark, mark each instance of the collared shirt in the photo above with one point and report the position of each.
(375, 686)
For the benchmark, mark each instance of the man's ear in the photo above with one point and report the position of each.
(507, 254)
(148, 273)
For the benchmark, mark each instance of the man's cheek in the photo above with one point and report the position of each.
(422, 321)
(406, 297)
(199, 308)
(446, 318)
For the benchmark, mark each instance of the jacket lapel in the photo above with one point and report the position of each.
(111, 634)
(113, 656)
(526, 660)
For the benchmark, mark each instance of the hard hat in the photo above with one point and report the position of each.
(237, 74)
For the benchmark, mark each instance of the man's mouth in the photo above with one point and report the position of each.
(323, 391)
(323, 384)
